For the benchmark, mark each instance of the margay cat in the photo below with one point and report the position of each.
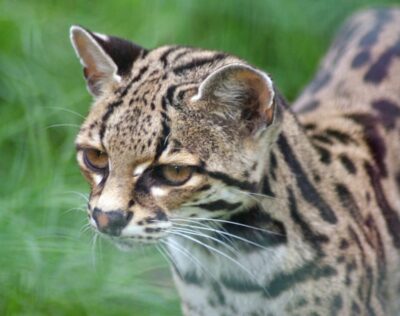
(262, 211)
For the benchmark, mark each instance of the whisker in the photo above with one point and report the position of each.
(194, 233)
(206, 227)
(212, 249)
(63, 125)
(232, 223)
(171, 243)
(227, 234)
(65, 110)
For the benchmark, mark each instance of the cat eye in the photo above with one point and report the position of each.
(95, 160)
(174, 174)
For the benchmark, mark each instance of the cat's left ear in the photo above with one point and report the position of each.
(105, 59)
(240, 92)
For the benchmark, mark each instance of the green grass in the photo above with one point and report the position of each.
(48, 266)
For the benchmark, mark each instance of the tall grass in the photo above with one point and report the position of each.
(48, 264)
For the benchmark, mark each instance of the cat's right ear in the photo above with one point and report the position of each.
(105, 59)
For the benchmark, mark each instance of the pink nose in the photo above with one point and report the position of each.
(111, 222)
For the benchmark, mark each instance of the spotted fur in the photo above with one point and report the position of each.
(286, 212)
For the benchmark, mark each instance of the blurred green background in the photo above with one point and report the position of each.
(49, 263)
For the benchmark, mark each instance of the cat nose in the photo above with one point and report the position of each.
(111, 222)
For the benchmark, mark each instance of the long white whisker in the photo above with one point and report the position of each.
(65, 110)
(206, 227)
(171, 243)
(225, 233)
(63, 125)
(232, 223)
(194, 233)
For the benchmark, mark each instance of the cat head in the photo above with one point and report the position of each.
(174, 133)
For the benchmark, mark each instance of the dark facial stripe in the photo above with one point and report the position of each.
(273, 232)
(389, 214)
(197, 63)
(243, 185)
(315, 239)
(308, 191)
(266, 187)
(285, 281)
(219, 205)
(163, 139)
(273, 164)
(110, 109)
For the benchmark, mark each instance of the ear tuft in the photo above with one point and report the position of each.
(104, 58)
(243, 90)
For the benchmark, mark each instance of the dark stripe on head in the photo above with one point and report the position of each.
(287, 280)
(198, 63)
(243, 185)
(166, 53)
(163, 139)
(266, 187)
(110, 109)
(132, 81)
(315, 239)
(308, 191)
(389, 214)
(219, 205)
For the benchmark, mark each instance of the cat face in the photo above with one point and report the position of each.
(174, 133)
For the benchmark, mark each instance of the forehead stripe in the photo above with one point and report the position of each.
(198, 62)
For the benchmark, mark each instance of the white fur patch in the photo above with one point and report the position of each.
(158, 192)
(139, 169)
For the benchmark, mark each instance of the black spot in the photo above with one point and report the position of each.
(320, 81)
(378, 70)
(348, 163)
(341, 137)
(324, 154)
(344, 244)
(388, 112)
(322, 138)
(336, 305)
(360, 59)
(309, 106)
